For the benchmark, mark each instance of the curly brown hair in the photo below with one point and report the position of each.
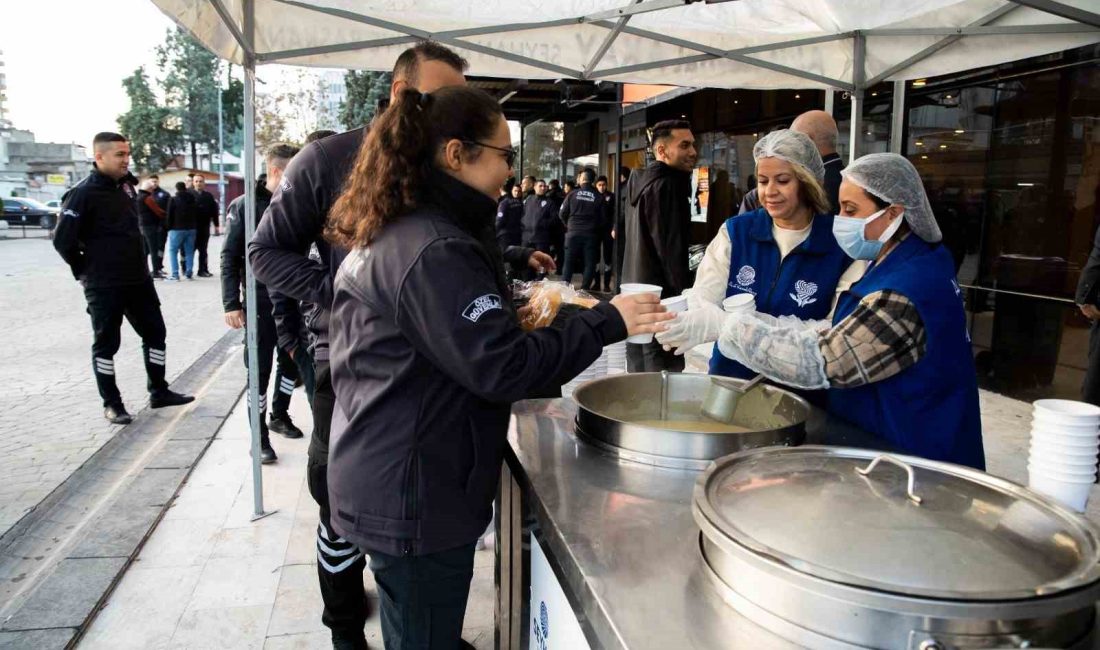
(398, 154)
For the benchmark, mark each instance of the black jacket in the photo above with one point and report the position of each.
(509, 223)
(427, 357)
(295, 220)
(540, 218)
(163, 197)
(151, 214)
(1088, 285)
(233, 255)
(833, 165)
(608, 213)
(206, 209)
(658, 228)
(181, 211)
(97, 234)
(582, 212)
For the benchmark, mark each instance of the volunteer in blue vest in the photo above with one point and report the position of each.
(784, 253)
(896, 355)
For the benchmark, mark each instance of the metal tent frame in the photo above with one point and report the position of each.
(190, 13)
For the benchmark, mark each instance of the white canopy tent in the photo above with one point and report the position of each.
(848, 45)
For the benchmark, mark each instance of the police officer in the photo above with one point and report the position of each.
(540, 214)
(206, 215)
(607, 243)
(277, 156)
(510, 219)
(582, 212)
(98, 237)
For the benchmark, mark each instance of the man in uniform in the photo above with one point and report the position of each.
(98, 237)
(206, 216)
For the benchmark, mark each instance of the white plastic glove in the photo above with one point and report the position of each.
(693, 327)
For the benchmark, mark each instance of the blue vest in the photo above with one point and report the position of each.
(930, 409)
(802, 285)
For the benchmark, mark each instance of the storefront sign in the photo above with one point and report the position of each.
(554, 626)
(56, 179)
(700, 193)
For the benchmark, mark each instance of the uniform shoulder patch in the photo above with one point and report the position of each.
(476, 309)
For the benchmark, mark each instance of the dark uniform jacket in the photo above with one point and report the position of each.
(427, 357)
(509, 222)
(540, 214)
(582, 212)
(311, 184)
(97, 234)
(233, 255)
(181, 211)
(206, 207)
(658, 226)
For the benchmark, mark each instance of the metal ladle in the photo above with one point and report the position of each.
(723, 396)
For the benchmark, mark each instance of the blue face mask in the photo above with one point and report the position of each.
(849, 234)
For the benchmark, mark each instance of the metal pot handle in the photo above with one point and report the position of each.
(895, 461)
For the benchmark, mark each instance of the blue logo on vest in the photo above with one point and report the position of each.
(802, 292)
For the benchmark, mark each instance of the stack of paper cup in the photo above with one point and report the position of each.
(1065, 437)
(739, 302)
(629, 288)
(616, 358)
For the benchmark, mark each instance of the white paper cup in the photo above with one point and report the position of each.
(631, 288)
(1061, 471)
(739, 302)
(1064, 435)
(1069, 493)
(1064, 411)
(1041, 422)
(1056, 459)
(676, 304)
(1061, 445)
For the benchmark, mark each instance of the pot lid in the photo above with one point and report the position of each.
(963, 534)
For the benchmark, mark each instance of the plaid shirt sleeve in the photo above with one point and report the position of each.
(881, 337)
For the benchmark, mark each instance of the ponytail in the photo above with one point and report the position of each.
(395, 162)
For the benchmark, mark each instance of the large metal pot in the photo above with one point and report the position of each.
(636, 416)
(847, 548)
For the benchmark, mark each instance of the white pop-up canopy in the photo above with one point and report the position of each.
(763, 44)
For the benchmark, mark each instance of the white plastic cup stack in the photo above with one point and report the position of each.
(739, 302)
(630, 288)
(1065, 439)
(616, 358)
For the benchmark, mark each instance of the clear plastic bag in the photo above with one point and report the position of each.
(548, 303)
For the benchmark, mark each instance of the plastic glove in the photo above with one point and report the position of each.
(693, 327)
(783, 349)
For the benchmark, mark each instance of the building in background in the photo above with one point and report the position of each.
(331, 94)
(39, 170)
(4, 122)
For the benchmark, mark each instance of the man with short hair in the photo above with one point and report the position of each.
(607, 242)
(279, 251)
(527, 186)
(658, 228)
(163, 198)
(510, 219)
(583, 216)
(821, 128)
(98, 237)
(152, 221)
(206, 215)
(286, 374)
(540, 216)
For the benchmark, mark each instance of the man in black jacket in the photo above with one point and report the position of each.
(1088, 301)
(540, 216)
(152, 225)
(98, 237)
(607, 244)
(820, 127)
(658, 227)
(277, 157)
(509, 222)
(582, 212)
(206, 215)
(181, 232)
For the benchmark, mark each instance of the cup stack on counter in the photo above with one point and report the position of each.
(1065, 437)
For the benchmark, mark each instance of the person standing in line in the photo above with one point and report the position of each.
(540, 214)
(509, 222)
(98, 237)
(607, 241)
(181, 232)
(152, 219)
(657, 229)
(233, 275)
(206, 215)
(583, 216)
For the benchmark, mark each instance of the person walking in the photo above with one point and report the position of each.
(233, 276)
(206, 216)
(98, 237)
(181, 232)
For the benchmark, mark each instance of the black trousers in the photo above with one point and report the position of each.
(1090, 390)
(423, 598)
(586, 247)
(269, 354)
(139, 304)
(340, 564)
(153, 240)
(651, 357)
(608, 250)
(202, 240)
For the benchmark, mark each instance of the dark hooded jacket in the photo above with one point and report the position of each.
(658, 228)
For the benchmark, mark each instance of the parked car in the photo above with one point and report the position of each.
(19, 210)
(55, 204)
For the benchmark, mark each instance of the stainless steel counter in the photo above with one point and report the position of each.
(621, 538)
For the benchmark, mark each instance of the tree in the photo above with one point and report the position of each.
(365, 91)
(542, 147)
(270, 121)
(233, 115)
(153, 143)
(190, 88)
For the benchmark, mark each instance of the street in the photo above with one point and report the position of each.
(51, 420)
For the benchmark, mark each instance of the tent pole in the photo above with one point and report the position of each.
(897, 118)
(859, 50)
(830, 97)
(249, 154)
(522, 134)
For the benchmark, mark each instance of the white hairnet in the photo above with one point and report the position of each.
(892, 178)
(794, 147)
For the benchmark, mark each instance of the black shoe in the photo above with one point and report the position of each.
(282, 424)
(158, 276)
(205, 274)
(162, 398)
(117, 414)
(267, 454)
(345, 642)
